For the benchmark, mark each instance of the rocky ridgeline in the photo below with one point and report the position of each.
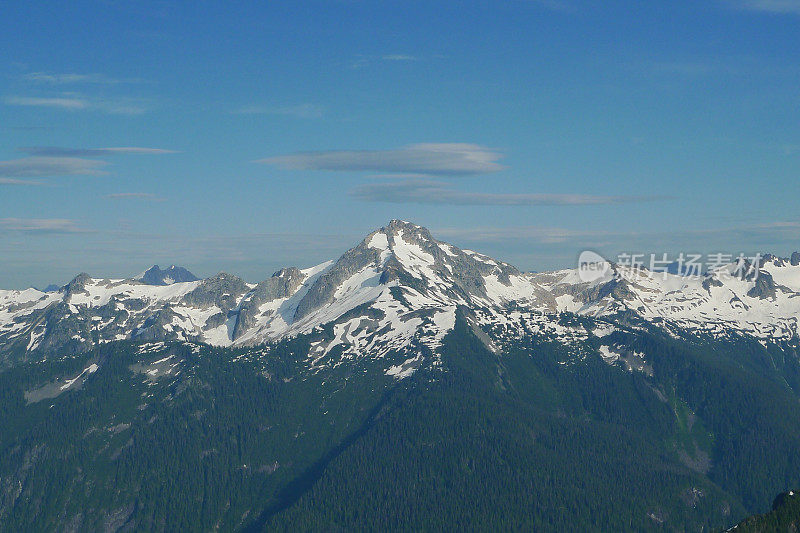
(397, 286)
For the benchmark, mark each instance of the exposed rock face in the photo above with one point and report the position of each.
(77, 285)
(397, 288)
(174, 274)
(467, 269)
(154, 328)
(223, 290)
(321, 293)
(617, 288)
(407, 253)
(710, 281)
(764, 287)
(282, 284)
(771, 258)
(65, 331)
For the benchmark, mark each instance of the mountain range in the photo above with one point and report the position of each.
(397, 286)
(406, 385)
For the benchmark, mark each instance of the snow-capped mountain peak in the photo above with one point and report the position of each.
(174, 274)
(398, 289)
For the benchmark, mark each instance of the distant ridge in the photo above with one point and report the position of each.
(174, 274)
(396, 290)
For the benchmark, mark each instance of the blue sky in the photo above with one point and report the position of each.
(245, 138)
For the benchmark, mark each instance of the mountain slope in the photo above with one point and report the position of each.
(783, 518)
(185, 436)
(472, 451)
(174, 274)
(407, 286)
(406, 385)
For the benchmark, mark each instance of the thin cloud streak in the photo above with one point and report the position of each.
(399, 57)
(69, 78)
(444, 159)
(44, 77)
(70, 104)
(38, 167)
(764, 238)
(111, 106)
(57, 151)
(12, 181)
(439, 193)
(297, 111)
(136, 196)
(537, 234)
(365, 60)
(39, 225)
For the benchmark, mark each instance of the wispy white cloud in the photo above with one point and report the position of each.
(547, 248)
(420, 191)
(768, 237)
(120, 106)
(13, 181)
(779, 226)
(37, 167)
(49, 90)
(398, 175)
(45, 77)
(136, 196)
(40, 225)
(49, 161)
(74, 78)
(770, 6)
(57, 151)
(365, 60)
(72, 102)
(534, 234)
(399, 57)
(297, 111)
(451, 159)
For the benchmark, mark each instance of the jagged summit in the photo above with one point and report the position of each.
(793, 260)
(407, 255)
(398, 288)
(174, 274)
(396, 223)
(77, 284)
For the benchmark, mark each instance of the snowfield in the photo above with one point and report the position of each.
(399, 288)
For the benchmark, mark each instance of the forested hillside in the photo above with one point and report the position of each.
(185, 436)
